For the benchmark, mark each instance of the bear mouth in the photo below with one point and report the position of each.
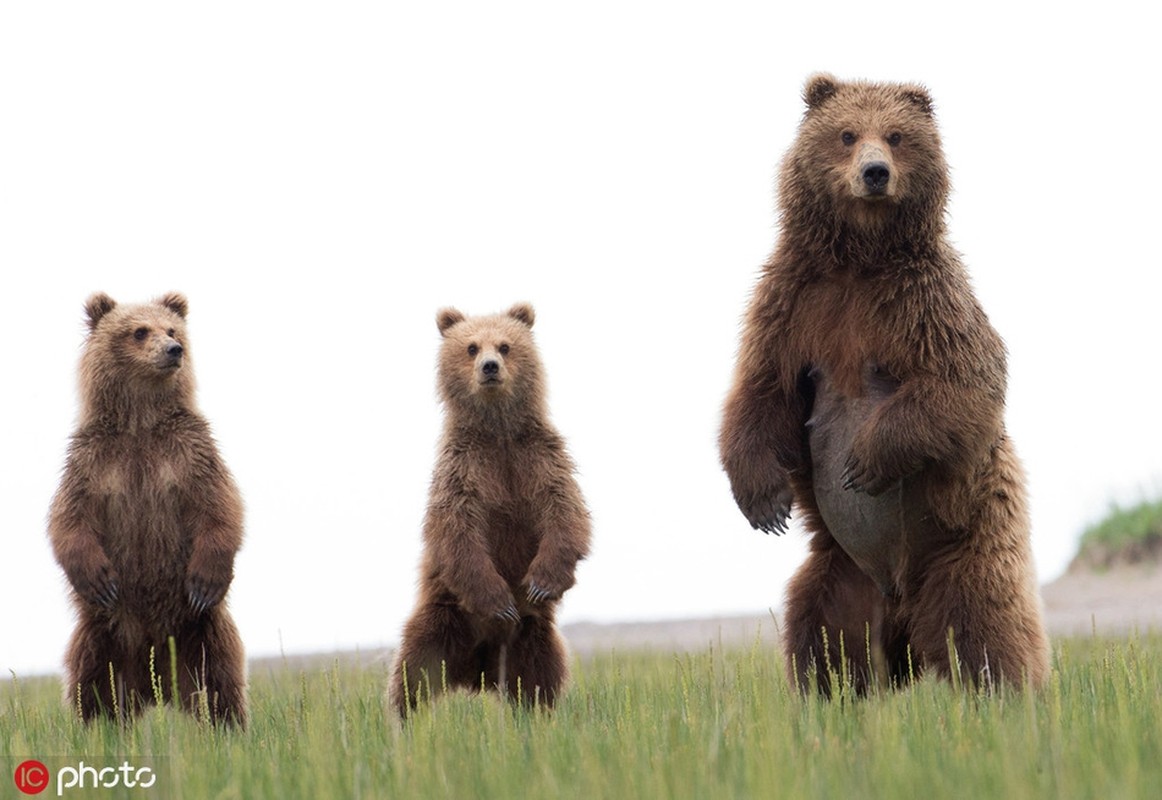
(873, 196)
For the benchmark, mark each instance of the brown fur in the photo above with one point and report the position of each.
(146, 524)
(870, 391)
(505, 527)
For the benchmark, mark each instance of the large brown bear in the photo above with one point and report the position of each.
(145, 524)
(505, 526)
(870, 391)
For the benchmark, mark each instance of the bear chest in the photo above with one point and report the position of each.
(136, 491)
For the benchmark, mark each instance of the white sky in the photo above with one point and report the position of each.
(320, 178)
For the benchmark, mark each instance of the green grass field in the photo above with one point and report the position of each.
(709, 725)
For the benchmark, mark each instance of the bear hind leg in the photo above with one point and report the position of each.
(95, 678)
(834, 623)
(438, 651)
(998, 637)
(537, 664)
(211, 668)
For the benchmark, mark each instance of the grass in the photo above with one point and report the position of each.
(708, 725)
(1125, 535)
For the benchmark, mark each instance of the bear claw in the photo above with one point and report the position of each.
(774, 522)
(509, 614)
(107, 595)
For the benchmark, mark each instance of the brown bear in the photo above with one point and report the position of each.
(869, 391)
(146, 524)
(505, 527)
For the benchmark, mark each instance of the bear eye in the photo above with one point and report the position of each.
(895, 138)
(140, 334)
(848, 138)
(504, 349)
(169, 333)
(473, 350)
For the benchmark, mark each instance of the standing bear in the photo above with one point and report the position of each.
(869, 392)
(146, 524)
(505, 525)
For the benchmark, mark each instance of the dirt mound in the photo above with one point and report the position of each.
(1100, 556)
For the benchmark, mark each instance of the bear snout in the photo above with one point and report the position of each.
(172, 356)
(876, 176)
(872, 176)
(489, 371)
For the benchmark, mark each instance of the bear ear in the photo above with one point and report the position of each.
(523, 312)
(919, 97)
(175, 302)
(97, 306)
(820, 88)
(446, 318)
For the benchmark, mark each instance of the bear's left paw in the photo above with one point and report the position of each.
(863, 476)
(509, 615)
(538, 594)
(544, 587)
(204, 593)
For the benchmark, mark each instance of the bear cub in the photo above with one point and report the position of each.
(505, 526)
(146, 524)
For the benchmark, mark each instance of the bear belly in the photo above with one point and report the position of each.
(877, 532)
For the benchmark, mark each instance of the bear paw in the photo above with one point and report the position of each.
(767, 510)
(863, 476)
(204, 593)
(99, 585)
(509, 614)
(545, 583)
(538, 594)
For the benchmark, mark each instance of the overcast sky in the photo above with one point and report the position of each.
(320, 178)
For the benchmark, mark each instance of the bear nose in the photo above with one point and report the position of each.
(174, 350)
(490, 367)
(875, 176)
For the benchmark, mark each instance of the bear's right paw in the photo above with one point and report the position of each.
(502, 623)
(99, 585)
(497, 605)
(766, 510)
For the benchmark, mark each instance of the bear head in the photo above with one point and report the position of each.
(867, 157)
(489, 363)
(134, 351)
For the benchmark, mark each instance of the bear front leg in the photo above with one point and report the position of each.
(457, 557)
(760, 441)
(833, 612)
(208, 578)
(926, 421)
(564, 541)
(85, 563)
(214, 515)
